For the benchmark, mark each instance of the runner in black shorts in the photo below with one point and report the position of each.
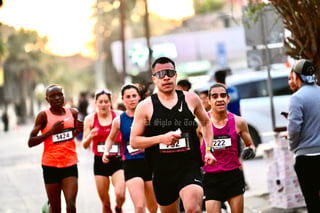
(107, 170)
(137, 174)
(56, 175)
(164, 125)
(224, 181)
(97, 127)
(56, 127)
(167, 189)
(215, 185)
(137, 168)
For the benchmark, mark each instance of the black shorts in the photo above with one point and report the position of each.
(168, 186)
(56, 175)
(224, 185)
(107, 169)
(137, 168)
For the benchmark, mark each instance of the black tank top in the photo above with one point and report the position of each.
(164, 120)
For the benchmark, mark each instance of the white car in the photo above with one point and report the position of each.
(255, 101)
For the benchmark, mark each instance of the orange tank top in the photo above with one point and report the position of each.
(60, 149)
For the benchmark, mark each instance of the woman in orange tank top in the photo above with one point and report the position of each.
(59, 126)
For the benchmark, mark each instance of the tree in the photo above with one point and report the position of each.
(135, 28)
(207, 6)
(21, 69)
(301, 19)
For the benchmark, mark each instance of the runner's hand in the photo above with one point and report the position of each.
(171, 138)
(248, 153)
(105, 158)
(209, 159)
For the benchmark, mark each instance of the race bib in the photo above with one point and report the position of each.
(63, 136)
(180, 146)
(221, 141)
(115, 149)
(133, 151)
(101, 147)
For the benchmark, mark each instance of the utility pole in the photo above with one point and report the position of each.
(147, 29)
(99, 65)
(123, 41)
(269, 82)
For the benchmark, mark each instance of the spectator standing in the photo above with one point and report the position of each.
(292, 84)
(83, 104)
(164, 125)
(303, 131)
(58, 125)
(5, 120)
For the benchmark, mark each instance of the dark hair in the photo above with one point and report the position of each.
(163, 60)
(101, 92)
(215, 86)
(184, 83)
(221, 74)
(204, 92)
(51, 86)
(129, 86)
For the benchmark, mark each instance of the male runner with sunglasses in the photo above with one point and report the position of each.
(164, 125)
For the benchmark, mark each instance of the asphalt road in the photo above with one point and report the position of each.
(22, 187)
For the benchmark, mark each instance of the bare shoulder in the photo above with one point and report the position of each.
(72, 109)
(42, 114)
(89, 118)
(192, 99)
(145, 103)
(116, 122)
(191, 96)
(41, 117)
(145, 106)
(240, 121)
(118, 112)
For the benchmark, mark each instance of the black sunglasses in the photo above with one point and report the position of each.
(162, 73)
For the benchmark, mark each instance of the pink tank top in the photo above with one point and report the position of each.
(60, 149)
(225, 146)
(98, 142)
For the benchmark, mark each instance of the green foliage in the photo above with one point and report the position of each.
(253, 11)
(2, 48)
(301, 19)
(207, 6)
(26, 65)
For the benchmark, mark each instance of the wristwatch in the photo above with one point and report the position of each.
(210, 148)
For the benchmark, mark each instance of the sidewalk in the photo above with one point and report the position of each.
(256, 199)
(261, 204)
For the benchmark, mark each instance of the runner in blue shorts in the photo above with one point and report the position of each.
(138, 176)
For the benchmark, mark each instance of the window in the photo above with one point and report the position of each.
(259, 88)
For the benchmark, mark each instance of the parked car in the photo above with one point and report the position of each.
(255, 101)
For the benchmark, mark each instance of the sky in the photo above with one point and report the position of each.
(69, 25)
